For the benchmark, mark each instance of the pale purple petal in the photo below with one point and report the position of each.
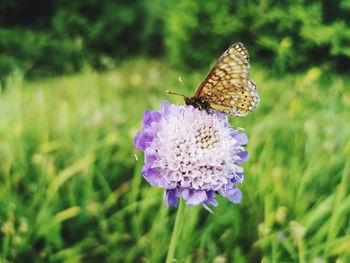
(137, 139)
(238, 178)
(222, 117)
(232, 193)
(164, 107)
(154, 176)
(144, 140)
(241, 138)
(243, 155)
(150, 116)
(194, 197)
(211, 198)
(171, 197)
(151, 157)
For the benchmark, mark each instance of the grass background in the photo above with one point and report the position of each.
(71, 188)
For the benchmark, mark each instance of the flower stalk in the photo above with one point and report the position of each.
(176, 232)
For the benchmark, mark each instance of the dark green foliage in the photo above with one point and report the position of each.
(105, 27)
(290, 35)
(37, 53)
(55, 37)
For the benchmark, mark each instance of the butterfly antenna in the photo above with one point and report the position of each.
(174, 93)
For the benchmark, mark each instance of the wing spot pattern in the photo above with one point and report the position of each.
(227, 87)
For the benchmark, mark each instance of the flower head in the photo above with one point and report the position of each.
(191, 154)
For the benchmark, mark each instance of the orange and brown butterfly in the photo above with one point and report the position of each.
(227, 87)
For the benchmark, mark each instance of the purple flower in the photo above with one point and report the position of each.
(192, 154)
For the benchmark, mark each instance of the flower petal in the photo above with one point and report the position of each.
(150, 116)
(243, 155)
(143, 140)
(194, 197)
(171, 197)
(238, 178)
(137, 139)
(232, 193)
(151, 157)
(164, 106)
(211, 198)
(154, 176)
(241, 138)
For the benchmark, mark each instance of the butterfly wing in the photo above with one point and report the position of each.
(227, 87)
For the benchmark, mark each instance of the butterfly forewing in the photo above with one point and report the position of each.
(227, 87)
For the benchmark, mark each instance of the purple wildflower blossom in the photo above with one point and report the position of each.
(192, 154)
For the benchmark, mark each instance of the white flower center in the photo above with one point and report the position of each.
(206, 137)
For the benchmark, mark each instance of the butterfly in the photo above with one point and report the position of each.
(227, 87)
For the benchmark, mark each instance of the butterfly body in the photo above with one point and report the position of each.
(199, 103)
(227, 87)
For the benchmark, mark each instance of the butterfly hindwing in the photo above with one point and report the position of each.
(227, 87)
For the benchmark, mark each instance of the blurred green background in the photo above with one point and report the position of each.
(75, 79)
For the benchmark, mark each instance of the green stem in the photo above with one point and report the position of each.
(176, 232)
